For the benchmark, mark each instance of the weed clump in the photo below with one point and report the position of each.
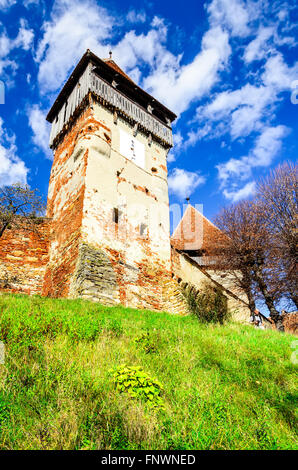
(136, 383)
(209, 305)
(146, 343)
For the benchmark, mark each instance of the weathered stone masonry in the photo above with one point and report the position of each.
(65, 207)
(107, 235)
(23, 258)
(91, 255)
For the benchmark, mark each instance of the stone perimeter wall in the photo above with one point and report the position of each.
(65, 207)
(80, 257)
(24, 262)
(23, 258)
(97, 274)
(118, 264)
(188, 273)
(83, 252)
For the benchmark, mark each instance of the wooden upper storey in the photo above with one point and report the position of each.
(107, 82)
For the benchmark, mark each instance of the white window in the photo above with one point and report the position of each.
(132, 148)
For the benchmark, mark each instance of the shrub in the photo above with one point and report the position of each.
(209, 304)
(136, 383)
(146, 343)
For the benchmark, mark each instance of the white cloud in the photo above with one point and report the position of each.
(75, 26)
(239, 113)
(250, 108)
(234, 167)
(134, 16)
(177, 145)
(5, 45)
(12, 168)
(23, 41)
(267, 145)
(147, 48)
(7, 64)
(277, 75)
(243, 193)
(5, 4)
(183, 183)
(247, 109)
(178, 85)
(259, 47)
(283, 14)
(232, 14)
(41, 129)
(25, 36)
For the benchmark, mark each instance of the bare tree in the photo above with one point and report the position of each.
(277, 195)
(246, 253)
(19, 207)
(235, 252)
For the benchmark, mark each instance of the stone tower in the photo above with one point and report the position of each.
(108, 192)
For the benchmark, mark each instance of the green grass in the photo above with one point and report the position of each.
(224, 387)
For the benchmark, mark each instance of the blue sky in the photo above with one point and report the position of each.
(227, 68)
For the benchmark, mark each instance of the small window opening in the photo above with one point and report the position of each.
(116, 215)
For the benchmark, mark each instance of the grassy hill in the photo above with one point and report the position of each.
(224, 387)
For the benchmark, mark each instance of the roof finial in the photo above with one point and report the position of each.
(188, 199)
(110, 54)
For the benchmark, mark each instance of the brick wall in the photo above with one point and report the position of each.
(65, 207)
(23, 258)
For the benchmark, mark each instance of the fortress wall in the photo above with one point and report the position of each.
(117, 263)
(23, 258)
(188, 271)
(114, 181)
(65, 207)
(91, 256)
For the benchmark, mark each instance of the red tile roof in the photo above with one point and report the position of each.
(104, 66)
(196, 232)
(116, 67)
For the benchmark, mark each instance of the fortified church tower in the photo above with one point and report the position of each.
(108, 191)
